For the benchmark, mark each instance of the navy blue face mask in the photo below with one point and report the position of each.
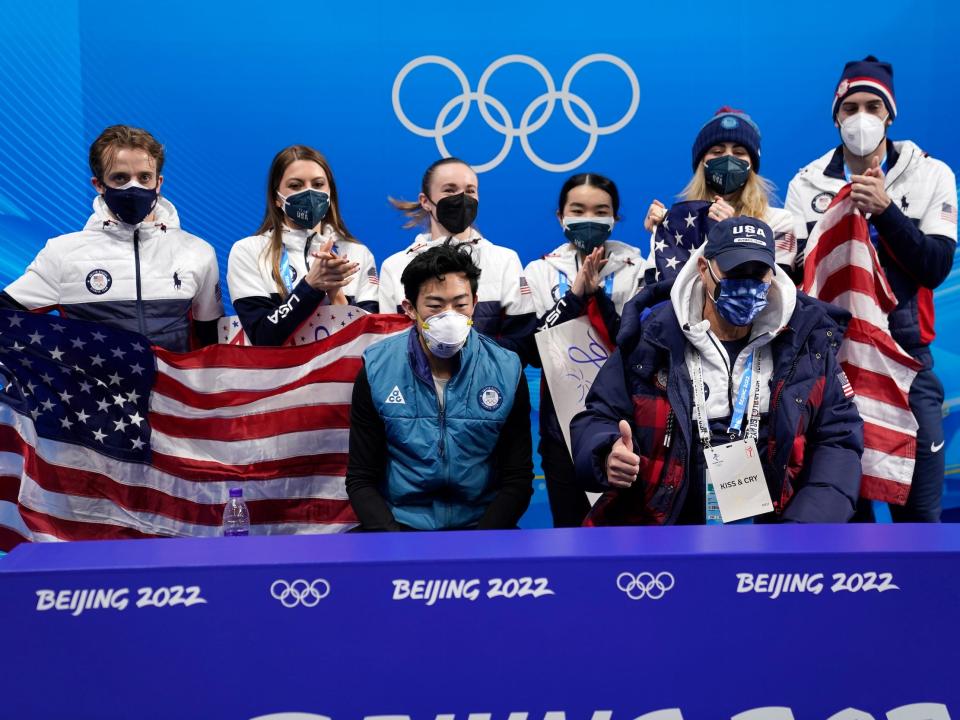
(587, 233)
(307, 207)
(727, 174)
(131, 203)
(739, 300)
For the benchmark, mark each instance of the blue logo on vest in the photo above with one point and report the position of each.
(99, 281)
(490, 398)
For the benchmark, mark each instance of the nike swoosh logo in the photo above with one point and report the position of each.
(934, 447)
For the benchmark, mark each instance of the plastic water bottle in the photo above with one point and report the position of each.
(236, 517)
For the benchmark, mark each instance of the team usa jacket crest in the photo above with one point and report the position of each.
(815, 434)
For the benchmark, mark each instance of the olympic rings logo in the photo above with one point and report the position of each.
(645, 584)
(300, 592)
(505, 125)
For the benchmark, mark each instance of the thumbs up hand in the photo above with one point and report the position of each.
(867, 191)
(623, 464)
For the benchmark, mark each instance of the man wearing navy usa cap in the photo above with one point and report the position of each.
(724, 401)
(910, 201)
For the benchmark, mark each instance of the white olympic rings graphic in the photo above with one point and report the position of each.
(505, 125)
(300, 592)
(645, 584)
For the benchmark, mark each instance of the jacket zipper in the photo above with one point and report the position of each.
(443, 425)
(141, 322)
(443, 435)
(441, 413)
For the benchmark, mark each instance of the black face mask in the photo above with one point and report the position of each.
(130, 204)
(727, 174)
(457, 212)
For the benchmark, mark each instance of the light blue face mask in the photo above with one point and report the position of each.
(739, 300)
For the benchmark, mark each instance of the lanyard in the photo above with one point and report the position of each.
(286, 270)
(751, 373)
(751, 376)
(743, 396)
(564, 284)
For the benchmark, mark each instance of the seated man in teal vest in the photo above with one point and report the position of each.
(440, 420)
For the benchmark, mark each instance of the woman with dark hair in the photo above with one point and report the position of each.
(447, 206)
(301, 256)
(591, 275)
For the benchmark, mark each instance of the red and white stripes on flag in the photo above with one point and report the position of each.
(842, 268)
(274, 421)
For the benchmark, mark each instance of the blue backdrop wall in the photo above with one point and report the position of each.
(225, 85)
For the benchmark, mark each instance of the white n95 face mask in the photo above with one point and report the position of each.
(445, 333)
(862, 133)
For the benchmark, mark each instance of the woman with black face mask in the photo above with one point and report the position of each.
(302, 255)
(447, 207)
(726, 166)
(589, 274)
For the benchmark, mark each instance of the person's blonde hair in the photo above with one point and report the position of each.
(274, 217)
(752, 199)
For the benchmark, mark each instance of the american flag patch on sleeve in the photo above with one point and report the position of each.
(524, 287)
(845, 384)
(787, 242)
(948, 212)
(372, 276)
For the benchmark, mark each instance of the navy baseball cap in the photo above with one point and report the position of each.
(740, 240)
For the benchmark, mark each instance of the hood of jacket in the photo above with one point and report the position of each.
(824, 172)
(425, 240)
(687, 297)
(165, 217)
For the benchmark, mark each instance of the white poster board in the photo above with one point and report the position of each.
(572, 355)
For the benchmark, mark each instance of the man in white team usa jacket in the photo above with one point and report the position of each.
(131, 266)
(910, 201)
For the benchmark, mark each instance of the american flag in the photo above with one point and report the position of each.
(525, 286)
(845, 384)
(842, 268)
(948, 212)
(786, 243)
(682, 231)
(372, 276)
(103, 436)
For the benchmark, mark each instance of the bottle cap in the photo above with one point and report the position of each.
(236, 492)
